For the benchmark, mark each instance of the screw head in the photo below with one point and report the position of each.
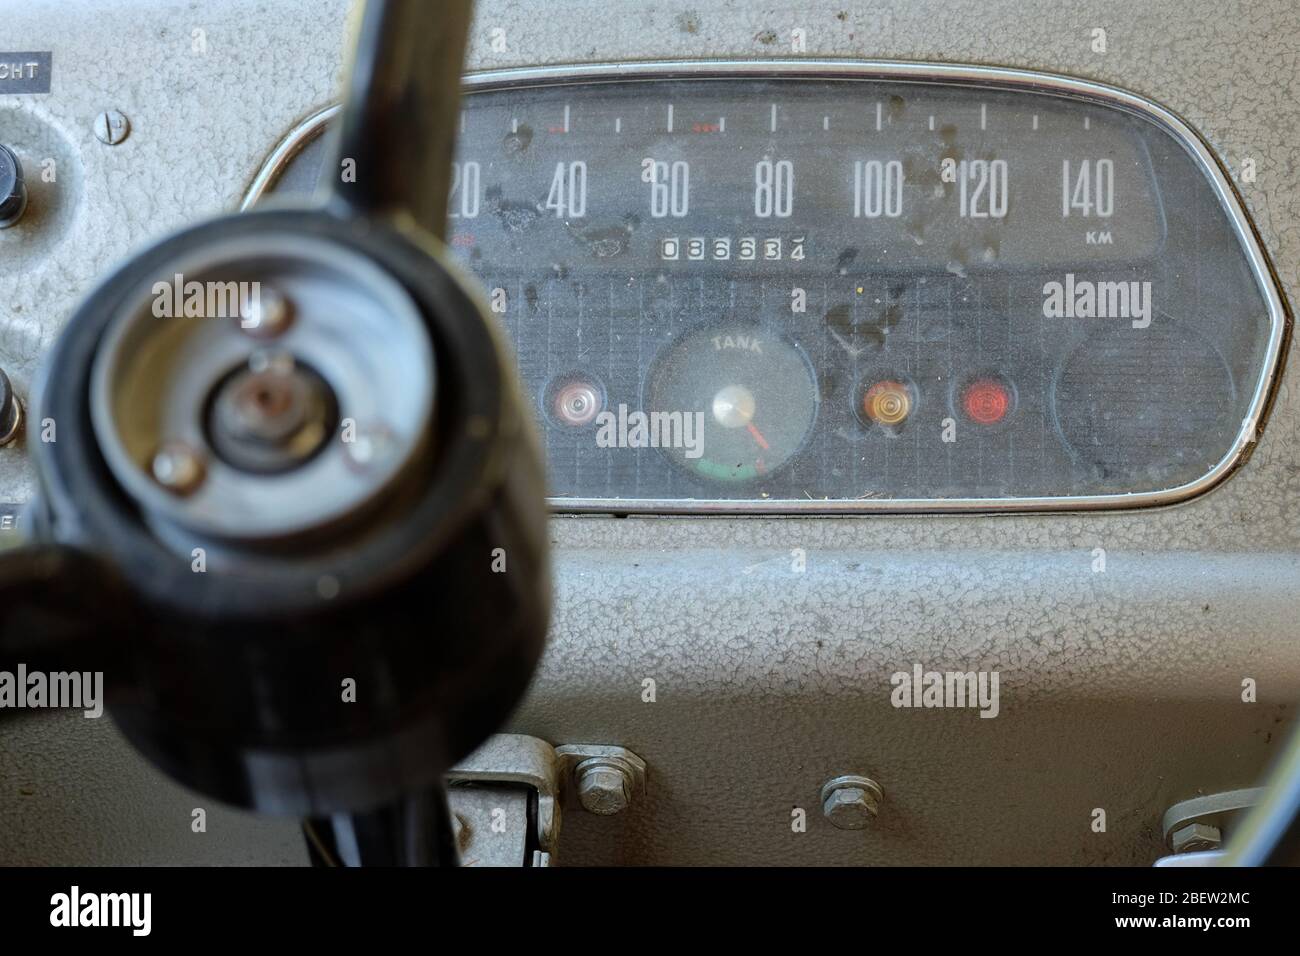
(267, 314)
(111, 127)
(851, 802)
(604, 789)
(178, 468)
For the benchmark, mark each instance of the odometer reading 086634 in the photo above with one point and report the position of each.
(832, 287)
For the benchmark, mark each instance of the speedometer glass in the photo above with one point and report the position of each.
(767, 287)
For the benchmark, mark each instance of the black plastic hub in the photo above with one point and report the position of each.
(13, 191)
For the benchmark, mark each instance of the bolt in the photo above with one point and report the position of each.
(267, 314)
(272, 416)
(265, 406)
(111, 127)
(1195, 836)
(604, 787)
(178, 468)
(851, 802)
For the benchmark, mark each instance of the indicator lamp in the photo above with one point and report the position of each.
(576, 401)
(887, 403)
(986, 401)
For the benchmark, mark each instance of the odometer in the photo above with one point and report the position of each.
(972, 288)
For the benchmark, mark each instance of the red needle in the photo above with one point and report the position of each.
(758, 437)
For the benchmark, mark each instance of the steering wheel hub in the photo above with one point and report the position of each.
(197, 358)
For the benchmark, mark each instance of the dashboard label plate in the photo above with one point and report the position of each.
(25, 72)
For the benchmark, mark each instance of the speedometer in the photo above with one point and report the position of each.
(943, 288)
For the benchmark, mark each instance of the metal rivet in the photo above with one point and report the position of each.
(851, 802)
(111, 127)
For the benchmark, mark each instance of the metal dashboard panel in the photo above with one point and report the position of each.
(1123, 688)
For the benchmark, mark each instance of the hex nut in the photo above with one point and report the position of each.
(851, 802)
(1194, 837)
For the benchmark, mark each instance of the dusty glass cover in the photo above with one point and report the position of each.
(848, 294)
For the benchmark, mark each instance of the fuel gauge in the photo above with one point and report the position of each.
(751, 391)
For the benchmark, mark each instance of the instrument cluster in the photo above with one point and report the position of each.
(785, 288)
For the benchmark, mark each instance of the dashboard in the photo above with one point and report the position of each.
(1112, 527)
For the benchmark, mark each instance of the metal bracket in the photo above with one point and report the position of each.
(606, 779)
(524, 760)
(1198, 824)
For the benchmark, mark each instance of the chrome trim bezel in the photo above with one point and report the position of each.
(988, 77)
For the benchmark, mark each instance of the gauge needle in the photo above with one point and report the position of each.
(758, 436)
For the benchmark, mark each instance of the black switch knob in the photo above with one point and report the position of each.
(11, 411)
(13, 191)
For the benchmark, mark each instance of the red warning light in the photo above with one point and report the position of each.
(986, 401)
